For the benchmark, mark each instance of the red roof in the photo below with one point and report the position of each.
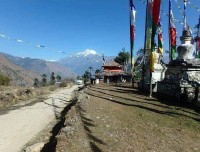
(111, 64)
(114, 70)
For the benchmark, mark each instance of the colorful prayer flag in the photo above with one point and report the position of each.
(172, 33)
(132, 28)
(149, 24)
(152, 61)
(155, 19)
(160, 42)
(198, 47)
(198, 40)
(155, 23)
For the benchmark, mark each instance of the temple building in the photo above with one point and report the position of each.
(113, 72)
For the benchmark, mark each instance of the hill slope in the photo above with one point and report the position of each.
(19, 76)
(41, 66)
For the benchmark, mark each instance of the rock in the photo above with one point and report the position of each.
(196, 149)
(35, 148)
(68, 130)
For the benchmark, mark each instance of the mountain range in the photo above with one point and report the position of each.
(80, 62)
(23, 71)
(40, 66)
(18, 75)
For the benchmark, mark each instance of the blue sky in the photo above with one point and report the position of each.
(76, 25)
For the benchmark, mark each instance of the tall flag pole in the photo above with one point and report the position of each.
(198, 40)
(104, 61)
(132, 35)
(149, 11)
(172, 34)
(147, 38)
(155, 23)
(160, 39)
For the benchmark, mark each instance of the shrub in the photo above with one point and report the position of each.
(4, 80)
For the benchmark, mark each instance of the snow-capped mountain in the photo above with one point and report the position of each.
(81, 61)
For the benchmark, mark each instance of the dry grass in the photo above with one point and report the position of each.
(13, 95)
(116, 118)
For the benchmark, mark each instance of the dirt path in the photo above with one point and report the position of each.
(115, 118)
(19, 126)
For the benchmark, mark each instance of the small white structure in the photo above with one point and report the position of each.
(186, 49)
(80, 83)
(97, 81)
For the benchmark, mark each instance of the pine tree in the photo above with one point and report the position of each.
(52, 78)
(122, 57)
(58, 77)
(36, 82)
(44, 80)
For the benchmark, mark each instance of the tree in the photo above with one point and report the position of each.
(44, 80)
(86, 76)
(58, 77)
(36, 82)
(90, 70)
(122, 57)
(138, 63)
(78, 77)
(97, 71)
(52, 77)
(139, 58)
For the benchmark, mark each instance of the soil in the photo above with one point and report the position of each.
(24, 121)
(119, 118)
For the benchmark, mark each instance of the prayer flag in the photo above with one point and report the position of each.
(198, 40)
(155, 19)
(132, 28)
(172, 33)
(149, 24)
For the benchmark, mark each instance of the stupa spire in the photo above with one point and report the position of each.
(184, 16)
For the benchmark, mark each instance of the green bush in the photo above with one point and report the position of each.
(4, 80)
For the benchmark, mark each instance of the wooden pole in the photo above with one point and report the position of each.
(170, 53)
(145, 43)
(132, 29)
(196, 40)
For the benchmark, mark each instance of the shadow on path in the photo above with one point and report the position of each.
(50, 146)
(88, 123)
(155, 110)
(168, 102)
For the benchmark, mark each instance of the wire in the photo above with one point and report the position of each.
(29, 43)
